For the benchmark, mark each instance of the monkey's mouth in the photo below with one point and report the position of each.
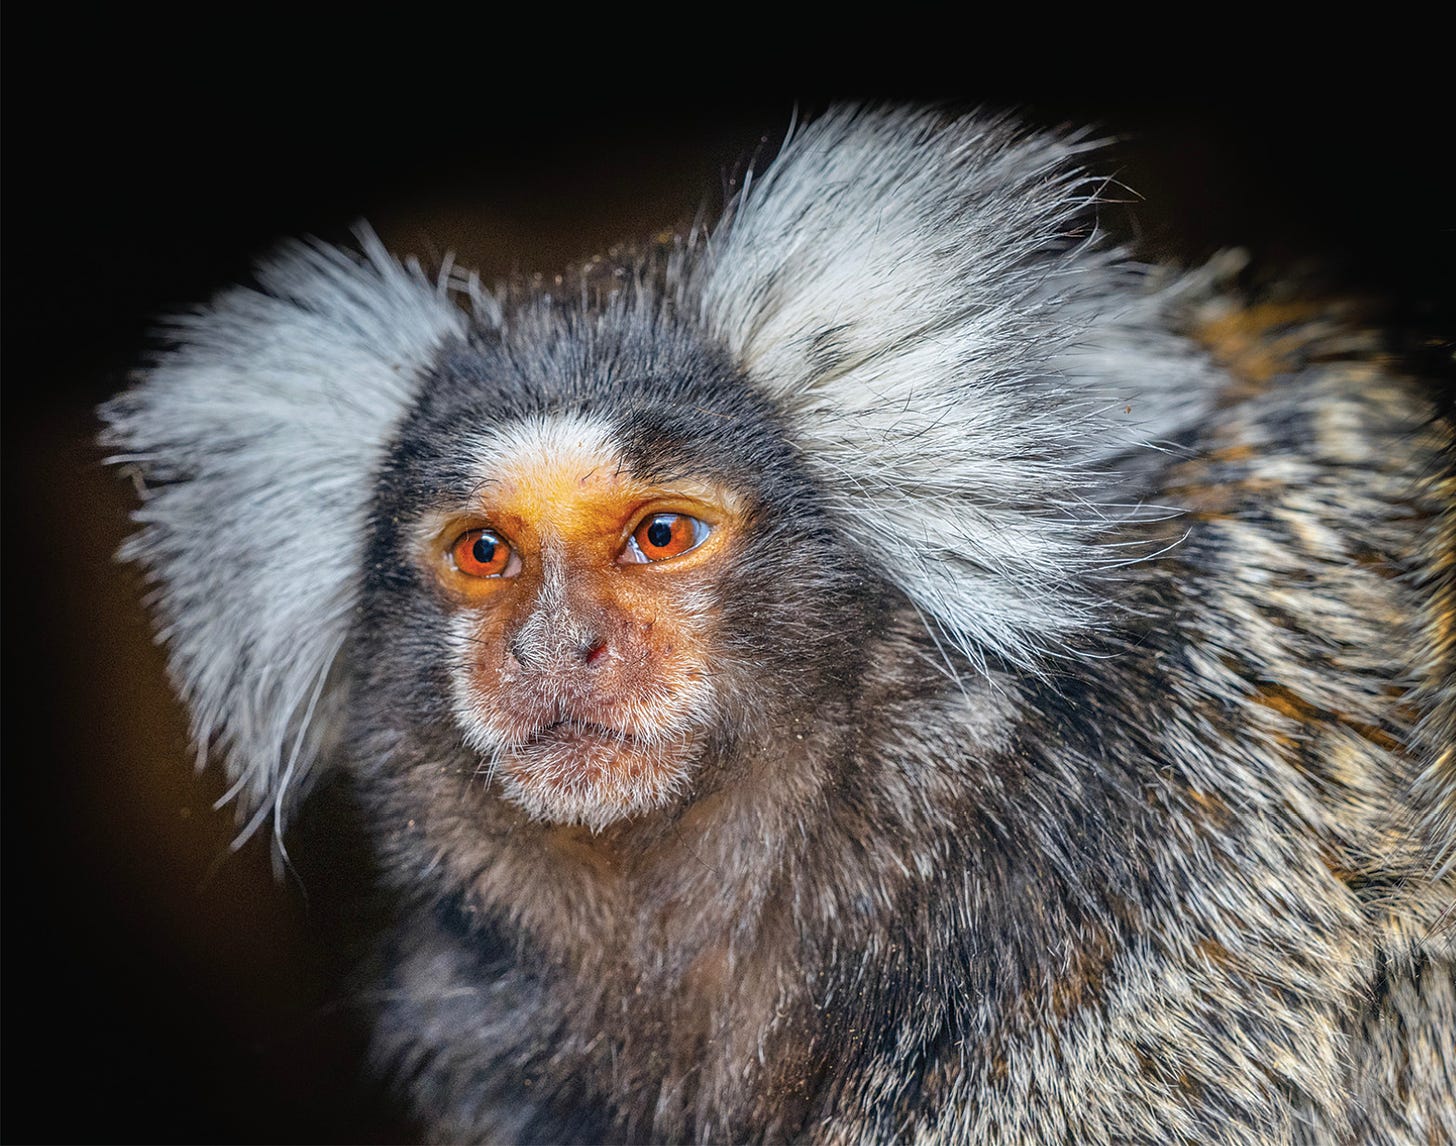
(573, 771)
(572, 731)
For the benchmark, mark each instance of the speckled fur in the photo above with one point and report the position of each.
(1070, 776)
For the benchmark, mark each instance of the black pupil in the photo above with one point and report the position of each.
(484, 549)
(659, 533)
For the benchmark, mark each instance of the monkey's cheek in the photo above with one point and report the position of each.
(595, 782)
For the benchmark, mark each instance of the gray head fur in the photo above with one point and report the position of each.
(926, 299)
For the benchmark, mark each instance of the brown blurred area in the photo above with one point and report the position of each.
(158, 987)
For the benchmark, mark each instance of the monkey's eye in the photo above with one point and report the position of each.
(481, 553)
(661, 536)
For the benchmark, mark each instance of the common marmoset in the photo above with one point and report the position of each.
(885, 667)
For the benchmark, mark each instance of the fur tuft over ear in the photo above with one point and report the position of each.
(972, 372)
(257, 435)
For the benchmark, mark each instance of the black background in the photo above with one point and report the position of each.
(156, 987)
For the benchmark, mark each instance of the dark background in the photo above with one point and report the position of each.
(157, 987)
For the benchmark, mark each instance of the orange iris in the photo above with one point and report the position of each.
(481, 553)
(664, 535)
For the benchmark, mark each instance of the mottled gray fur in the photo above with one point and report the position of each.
(1078, 767)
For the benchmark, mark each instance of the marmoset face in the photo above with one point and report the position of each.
(583, 610)
(614, 577)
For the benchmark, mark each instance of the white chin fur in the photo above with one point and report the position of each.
(593, 783)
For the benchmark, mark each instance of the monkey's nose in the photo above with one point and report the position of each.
(566, 652)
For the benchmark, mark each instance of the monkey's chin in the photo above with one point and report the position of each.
(574, 774)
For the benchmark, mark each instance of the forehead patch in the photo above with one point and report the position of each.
(565, 478)
(523, 453)
(549, 470)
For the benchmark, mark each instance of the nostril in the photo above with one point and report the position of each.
(595, 651)
(520, 651)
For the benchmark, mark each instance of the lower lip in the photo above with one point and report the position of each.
(568, 732)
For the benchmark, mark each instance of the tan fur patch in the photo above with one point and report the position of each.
(1259, 343)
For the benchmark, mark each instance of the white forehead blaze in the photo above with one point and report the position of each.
(522, 453)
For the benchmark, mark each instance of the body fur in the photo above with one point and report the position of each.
(1073, 762)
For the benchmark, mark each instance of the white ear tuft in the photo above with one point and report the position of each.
(258, 434)
(966, 366)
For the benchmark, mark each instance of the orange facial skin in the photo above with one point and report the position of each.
(584, 604)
